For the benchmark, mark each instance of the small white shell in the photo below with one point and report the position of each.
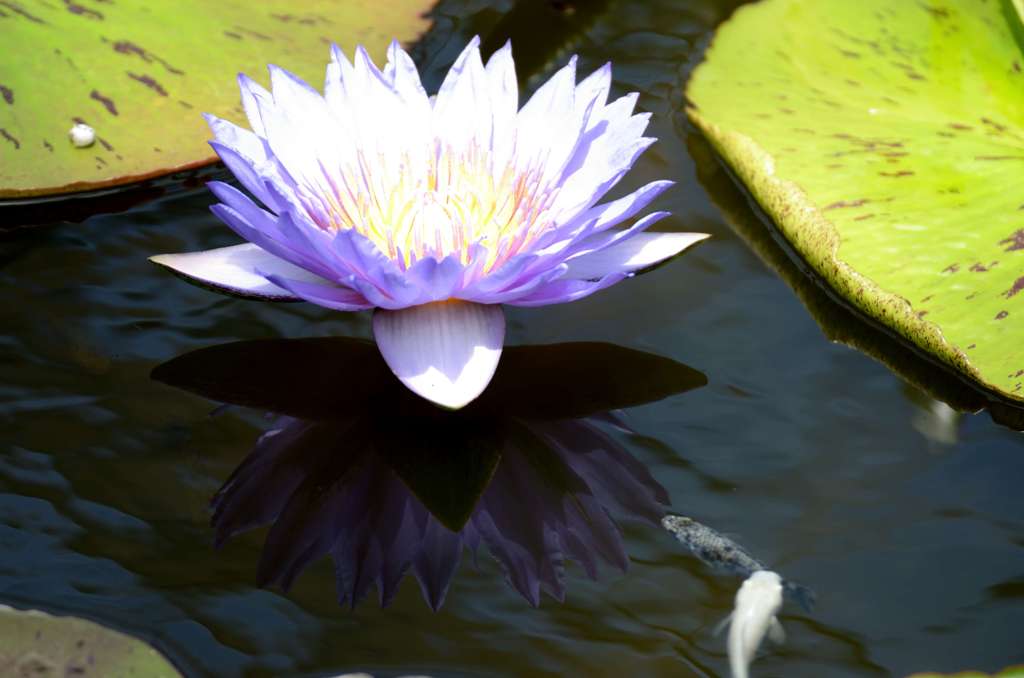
(82, 135)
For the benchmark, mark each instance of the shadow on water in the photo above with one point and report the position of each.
(358, 468)
(838, 321)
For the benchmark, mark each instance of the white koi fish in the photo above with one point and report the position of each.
(757, 602)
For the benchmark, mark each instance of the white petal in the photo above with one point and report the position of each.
(255, 99)
(445, 352)
(549, 126)
(462, 110)
(504, 91)
(233, 270)
(638, 252)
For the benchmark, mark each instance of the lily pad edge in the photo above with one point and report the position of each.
(817, 240)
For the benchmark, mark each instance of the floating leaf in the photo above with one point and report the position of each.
(886, 141)
(1012, 672)
(140, 73)
(34, 643)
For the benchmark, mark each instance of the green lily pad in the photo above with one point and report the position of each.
(140, 72)
(1012, 672)
(886, 141)
(34, 643)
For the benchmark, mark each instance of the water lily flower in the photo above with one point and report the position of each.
(434, 211)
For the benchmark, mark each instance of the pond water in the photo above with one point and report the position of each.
(905, 518)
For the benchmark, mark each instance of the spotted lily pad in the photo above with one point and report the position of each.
(34, 643)
(1012, 672)
(886, 141)
(140, 72)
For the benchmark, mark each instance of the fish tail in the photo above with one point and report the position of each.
(804, 596)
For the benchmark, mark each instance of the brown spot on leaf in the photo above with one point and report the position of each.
(107, 102)
(126, 47)
(928, 298)
(308, 20)
(978, 268)
(901, 173)
(232, 34)
(971, 346)
(993, 124)
(47, 145)
(185, 104)
(1001, 315)
(952, 268)
(7, 135)
(1015, 241)
(999, 157)
(104, 143)
(252, 34)
(937, 12)
(75, 8)
(864, 217)
(17, 9)
(1018, 285)
(847, 203)
(148, 82)
(7, 93)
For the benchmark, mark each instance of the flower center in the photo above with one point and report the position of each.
(439, 203)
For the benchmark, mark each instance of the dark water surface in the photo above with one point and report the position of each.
(906, 519)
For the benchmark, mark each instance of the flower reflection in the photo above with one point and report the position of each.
(386, 484)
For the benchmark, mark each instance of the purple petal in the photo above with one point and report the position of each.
(603, 217)
(520, 288)
(245, 170)
(643, 250)
(565, 290)
(600, 241)
(262, 228)
(445, 352)
(557, 246)
(237, 138)
(437, 280)
(240, 270)
(437, 561)
(323, 294)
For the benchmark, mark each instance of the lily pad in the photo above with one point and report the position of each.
(34, 643)
(140, 73)
(886, 141)
(1012, 672)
